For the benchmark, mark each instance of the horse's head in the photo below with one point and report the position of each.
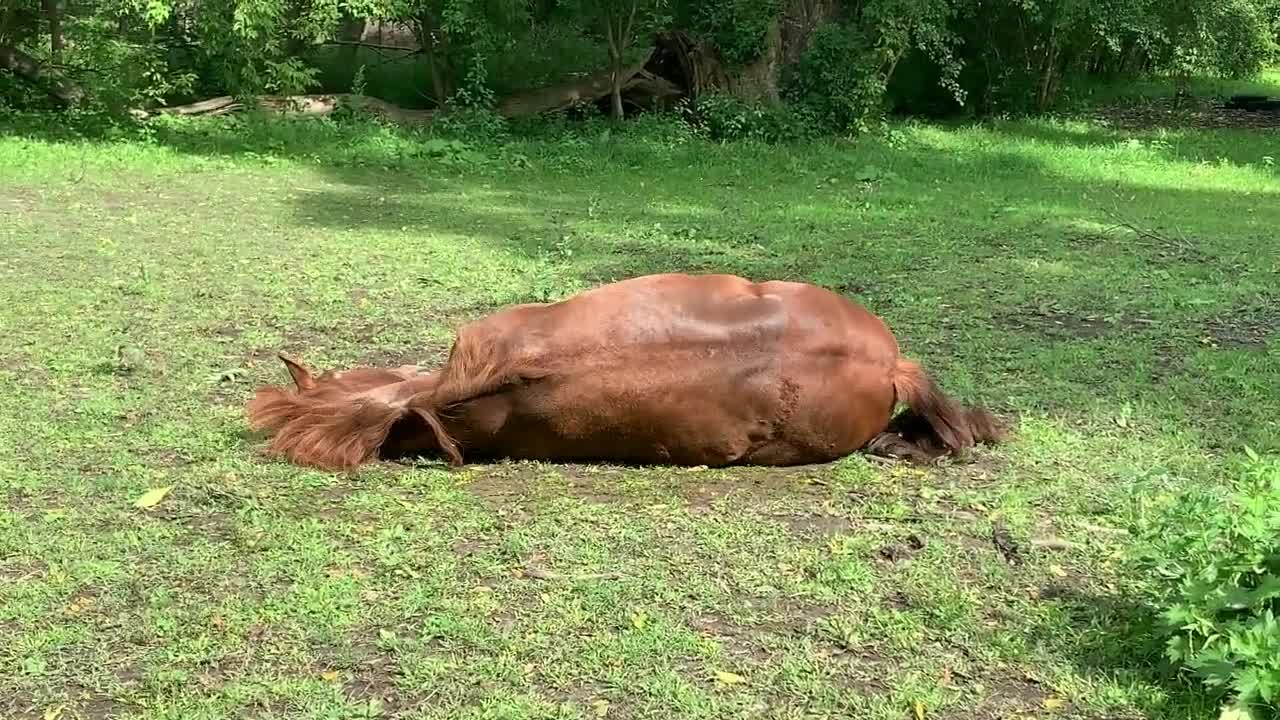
(355, 380)
(340, 418)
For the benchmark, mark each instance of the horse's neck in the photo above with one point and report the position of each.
(398, 394)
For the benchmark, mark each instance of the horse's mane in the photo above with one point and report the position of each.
(333, 422)
(327, 430)
(335, 425)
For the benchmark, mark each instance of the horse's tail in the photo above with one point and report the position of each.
(336, 433)
(952, 425)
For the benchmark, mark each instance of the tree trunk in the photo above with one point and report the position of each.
(434, 43)
(439, 84)
(350, 30)
(614, 33)
(54, 18)
(615, 83)
(1048, 74)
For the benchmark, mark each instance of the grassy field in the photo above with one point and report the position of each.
(1113, 293)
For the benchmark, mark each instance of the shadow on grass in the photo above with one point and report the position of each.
(1119, 642)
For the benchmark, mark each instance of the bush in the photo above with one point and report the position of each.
(838, 80)
(738, 28)
(725, 117)
(473, 123)
(1213, 557)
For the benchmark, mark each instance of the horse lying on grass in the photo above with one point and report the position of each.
(667, 369)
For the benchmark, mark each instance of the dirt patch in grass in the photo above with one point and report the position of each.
(700, 489)
(1246, 329)
(212, 527)
(1189, 113)
(85, 705)
(815, 526)
(17, 200)
(896, 552)
(591, 698)
(90, 704)
(974, 467)
(1167, 362)
(1003, 695)
(704, 491)
(1055, 324)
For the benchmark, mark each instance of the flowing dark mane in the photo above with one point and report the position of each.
(335, 433)
(336, 422)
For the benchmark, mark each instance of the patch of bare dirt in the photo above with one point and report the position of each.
(212, 527)
(1007, 692)
(976, 467)
(593, 699)
(366, 672)
(1055, 324)
(701, 489)
(18, 201)
(815, 526)
(777, 621)
(225, 332)
(1167, 362)
(1187, 113)
(897, 552)
(81, 703)
(93, 705)
(1246, 329)
(501, 485)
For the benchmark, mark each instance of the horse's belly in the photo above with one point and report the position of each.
(682, 408)
(688, 410)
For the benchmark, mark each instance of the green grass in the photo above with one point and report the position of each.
(148, 283)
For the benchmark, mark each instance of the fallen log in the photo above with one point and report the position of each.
(310, 105)
(639, 85)
(650, 91)
(566, 95)
(62, 90)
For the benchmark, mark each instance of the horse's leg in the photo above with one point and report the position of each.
(894, 446)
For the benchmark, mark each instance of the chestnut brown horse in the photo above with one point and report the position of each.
(669, 369)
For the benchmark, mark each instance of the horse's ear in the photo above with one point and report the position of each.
(301, 375)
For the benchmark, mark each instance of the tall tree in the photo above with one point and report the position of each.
(622, 21)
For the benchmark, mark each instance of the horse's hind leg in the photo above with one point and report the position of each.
(893, 445)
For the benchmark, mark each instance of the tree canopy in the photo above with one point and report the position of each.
(841, 60)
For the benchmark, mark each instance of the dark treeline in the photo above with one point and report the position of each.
(835, 63)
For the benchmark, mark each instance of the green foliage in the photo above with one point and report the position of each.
(1214, 555)
(1224, 38)
(621, 22)
(843, 76)
(544, 55)
(725, 117)
(738, 28)
(838, 80)
(474, 123)
(985, 55)
(116, 69)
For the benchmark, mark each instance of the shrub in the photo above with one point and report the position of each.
(725, 117)
(473, 123)
(738, 28)
(838, 79)
(1213, 558)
